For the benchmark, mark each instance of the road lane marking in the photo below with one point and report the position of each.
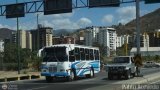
(155, 82)
(37, 88)
(86, 80)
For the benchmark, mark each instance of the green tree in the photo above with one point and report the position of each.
(25, 57)
(104, 52)
(120, 51)
(10, 53)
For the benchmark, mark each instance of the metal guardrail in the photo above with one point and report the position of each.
(21, 77)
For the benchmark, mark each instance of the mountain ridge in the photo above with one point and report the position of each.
(148, 23)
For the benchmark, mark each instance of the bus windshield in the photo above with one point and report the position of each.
(55, 54)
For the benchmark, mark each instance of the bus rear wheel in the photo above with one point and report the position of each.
(92, 73)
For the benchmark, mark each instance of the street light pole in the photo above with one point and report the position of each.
(138, 26)
(18, 44)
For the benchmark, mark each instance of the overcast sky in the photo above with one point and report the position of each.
(79, 18)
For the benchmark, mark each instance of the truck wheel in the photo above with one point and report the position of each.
(49, 79)
(134, 74)
(128, 74)
(119, 76)
(110, 76)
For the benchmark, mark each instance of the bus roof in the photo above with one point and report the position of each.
(71, 46)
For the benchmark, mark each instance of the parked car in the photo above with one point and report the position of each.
(149, 64)
(121, 66)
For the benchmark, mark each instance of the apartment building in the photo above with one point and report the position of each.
(1, 45)
(89, 38)
(64, 40)
(29, 40)
(119, 42)
(154, 38)
(41, 37)
(91, 35)
(103, 37)
(112, 38)
(24, 39)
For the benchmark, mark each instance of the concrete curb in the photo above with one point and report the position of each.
(21, 77)
(149, 78)
(137, 80)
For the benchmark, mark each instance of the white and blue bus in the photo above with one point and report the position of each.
(69, 61)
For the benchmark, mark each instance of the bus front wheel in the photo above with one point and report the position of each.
(72, 76)
(49, 78)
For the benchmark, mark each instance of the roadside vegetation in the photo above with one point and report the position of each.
(28, 59)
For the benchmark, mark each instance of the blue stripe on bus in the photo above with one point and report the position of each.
(93, 64)
(74, 64)
(54, 74)
(84, 71)
(80, 68)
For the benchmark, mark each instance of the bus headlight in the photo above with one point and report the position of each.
(44, 70)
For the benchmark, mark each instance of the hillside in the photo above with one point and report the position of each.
(148, 22)
(63, 32)
(5, 33)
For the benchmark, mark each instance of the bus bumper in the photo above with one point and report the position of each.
(55, 74)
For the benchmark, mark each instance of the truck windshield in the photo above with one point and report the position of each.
(121, 60)
(55, 54)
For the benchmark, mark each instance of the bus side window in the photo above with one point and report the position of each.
(71, 52)
(71, 56)
(87, 54)
(82, 53)
(91, 54)
(96, 52)
(77, 54)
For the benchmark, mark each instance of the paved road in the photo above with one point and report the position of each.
(82, 84)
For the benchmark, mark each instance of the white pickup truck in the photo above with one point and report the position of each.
(122, 66)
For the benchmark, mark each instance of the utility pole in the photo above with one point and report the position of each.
(18, 44)
(138, 26)
(138, 59)
(126, 44)
(37, 32)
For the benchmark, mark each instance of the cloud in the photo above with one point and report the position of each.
(84, 21)
(27, 26)
(126, 14)
(5, 26)
(107, 19)
(64, 22)
(55, 16)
